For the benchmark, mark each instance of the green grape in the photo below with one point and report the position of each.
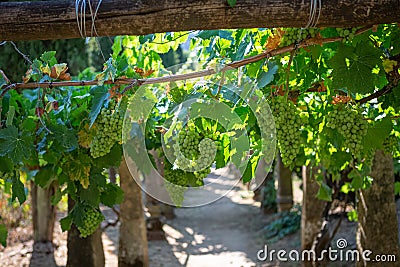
(91, 222)
(195, 151)
(177, 183)
(346, 33)
(349, 122)
(296, 35)
(390, 144)
(108, 131)
(288, 125)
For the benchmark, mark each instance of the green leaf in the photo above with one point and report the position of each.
(100, 94)
(17, 148)
(251, 167)
(18, 190)
(397, 188)
(232, 3)
(352, 67)
(112, 159)
(64, 136)
(10, 116)
(49, 57)
(3, 235)
(66, 223)
(91, 195)
(112, 195)
(377, 133)
(6, 164)
(264, 78)
(357, 179)
(44, 177)
(324, 192)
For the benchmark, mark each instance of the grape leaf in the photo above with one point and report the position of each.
(18, 190)
(251, 167)
(91, 195)
(112, 195)
(66, 223)
(112, 159)
(3, 235)
(357, 179)
(377, 133)
(324, 192)
(44, 176)
(16, 147)
(232, 3)
(265, 77)
(100, 94)
(352, 67)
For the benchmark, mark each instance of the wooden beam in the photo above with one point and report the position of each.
(57, 19)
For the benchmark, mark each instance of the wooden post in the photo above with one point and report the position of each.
(87, 252)
(312, 210)
(43, 218)
(377, 220)
(285, 190)
(133, 251)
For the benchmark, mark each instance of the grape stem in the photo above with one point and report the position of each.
(179, 77)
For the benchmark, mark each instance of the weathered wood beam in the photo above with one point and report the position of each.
(57, 19)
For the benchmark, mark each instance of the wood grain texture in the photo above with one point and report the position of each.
(57, 19)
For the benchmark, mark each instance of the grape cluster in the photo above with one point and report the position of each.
(178, 182)
(91, 222)
(288, 124)
(195, 152)
(350, 124)
(390, 144)
(108, 130)
(294, 35)
(346, 33)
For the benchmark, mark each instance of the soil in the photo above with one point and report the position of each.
(227, 232)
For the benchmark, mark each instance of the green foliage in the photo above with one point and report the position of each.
(353, 68)
(288, 222)
(58, 130)
(3, 235)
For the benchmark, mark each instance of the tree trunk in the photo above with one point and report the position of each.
(312, 210)
(43, 218)
(87, 252)
(58, 20)
(285, 190)
(133, 251)
(112, 175)
(377, 220)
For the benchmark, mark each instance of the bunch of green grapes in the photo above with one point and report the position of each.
(350, 123)
(296, 35)
(177, 183)
(347, 33)
(288, 125)
(108, 130)
(91, 222)
(195, 151)
(390, 144)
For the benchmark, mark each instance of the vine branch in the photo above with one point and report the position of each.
(131, 82)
